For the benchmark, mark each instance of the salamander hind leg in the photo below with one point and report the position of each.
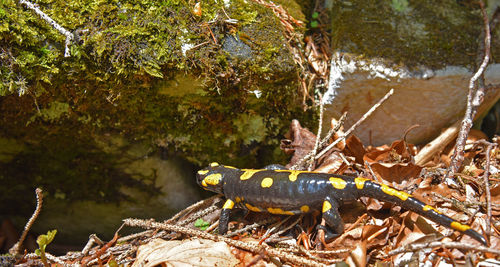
(332, 218)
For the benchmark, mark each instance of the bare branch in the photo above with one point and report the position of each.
(353, 127)
(474, 100)
(55, 25)
(15, 250)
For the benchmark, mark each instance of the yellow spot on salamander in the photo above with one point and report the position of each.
(360, 182)
(228, 205)
(214, 164)
(326, 206)
(293, 174)
(279, 211)
(212, 179)
(229, 167)
(248, 173)
(460, 227)
(237, 199)
(427, 207)
(266, 182)
(338, 183)
(393, 192)
(203, 172)
(252, 208)
(304, 208)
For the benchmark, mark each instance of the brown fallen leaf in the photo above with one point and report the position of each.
(393, 164)
(190, 252)
(414, 227)
(355, 148)
(299, 142)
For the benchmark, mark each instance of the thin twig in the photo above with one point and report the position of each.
(333, 130)
(419, 246)
(474, 100)
(486, 176)
(455, 203)
(15, 250)
(287, 227)
(318, 135)
(249, 227)
(148, 224)
(195, 206)
(353, 127)
(134, 236)
(55, 25)
(197, 215)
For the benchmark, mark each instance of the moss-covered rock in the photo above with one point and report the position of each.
(216, 86)
(422, 33)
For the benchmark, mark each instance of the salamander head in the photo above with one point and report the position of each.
(212, 177)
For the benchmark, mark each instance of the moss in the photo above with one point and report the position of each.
(148, 71)
(53, 113)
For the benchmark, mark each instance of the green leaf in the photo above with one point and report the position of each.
(51, 235)
(200, 223)
(44, 240)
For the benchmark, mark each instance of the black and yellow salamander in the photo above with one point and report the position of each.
(290, 192)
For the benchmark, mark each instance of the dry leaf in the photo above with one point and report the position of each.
(191, 252)
(355, 148)
(300, 142)
(395, 163)
(358, 255)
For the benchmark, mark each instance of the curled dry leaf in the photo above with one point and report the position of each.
(333, 124)
(414, 227)
(300, 141)
(191, 252)
(376, 235)
(358, 255)
(355, 148)
(331, 163)
(394, 164)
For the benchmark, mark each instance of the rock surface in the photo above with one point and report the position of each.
(425, 50)
(214, 85)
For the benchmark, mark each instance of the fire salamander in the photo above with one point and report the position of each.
(290, 192)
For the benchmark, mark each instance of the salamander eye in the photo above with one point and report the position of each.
(203, 172)
(200, 177)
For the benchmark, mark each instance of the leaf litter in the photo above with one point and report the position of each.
(373, 230)
(376, 233)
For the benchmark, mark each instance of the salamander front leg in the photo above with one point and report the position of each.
(332, 218)
(224, 216)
